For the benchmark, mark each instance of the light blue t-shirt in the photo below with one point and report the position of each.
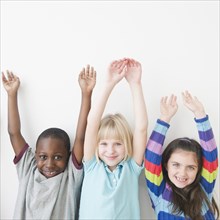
(110, 194)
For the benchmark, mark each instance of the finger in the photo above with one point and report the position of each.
(123, 66)
(91, 71)
(87, 69)
(173, 101)
(4, 79)
(170, 99)
(8, 75)
(94, 75)
(113, 63)
(82, 73)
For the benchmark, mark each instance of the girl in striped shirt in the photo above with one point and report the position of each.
(181, 179)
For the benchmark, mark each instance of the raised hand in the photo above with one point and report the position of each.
(134, 71)
(193, 104)
(11, 83)
(116, 71)
(87, 79)
(168, 107)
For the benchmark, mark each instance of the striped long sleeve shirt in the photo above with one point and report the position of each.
(159, 191)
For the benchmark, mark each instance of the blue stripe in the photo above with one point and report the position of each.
(201, 120)
(209, 215)
(152, 157)
(167, 216)
(157, 137)
(206, 135)
(206, 185)
(156, 190)
(210, 156)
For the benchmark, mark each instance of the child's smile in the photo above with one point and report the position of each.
(182, 168)
(51, 157)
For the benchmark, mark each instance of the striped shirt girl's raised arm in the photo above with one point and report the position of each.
(210, 154)
(153, 157)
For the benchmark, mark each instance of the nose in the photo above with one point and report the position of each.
(49, 163)
(182, 171)
(111, 149)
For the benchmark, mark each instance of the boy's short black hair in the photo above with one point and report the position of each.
(56, 133)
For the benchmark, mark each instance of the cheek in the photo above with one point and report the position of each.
(101, 150)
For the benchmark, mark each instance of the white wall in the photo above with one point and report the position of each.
(47, 43)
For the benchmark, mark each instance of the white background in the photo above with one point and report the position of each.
(46, 43)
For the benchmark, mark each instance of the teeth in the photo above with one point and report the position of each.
(181, 179)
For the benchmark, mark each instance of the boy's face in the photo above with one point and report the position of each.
(51, 156)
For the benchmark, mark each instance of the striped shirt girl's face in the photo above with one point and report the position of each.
(182, 168)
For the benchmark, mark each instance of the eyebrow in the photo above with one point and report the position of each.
(190, 165)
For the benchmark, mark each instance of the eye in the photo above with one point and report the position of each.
(57, 157)
(118, 144)
(103, 143)
(191, 168)
(42, 157)
(176, 165)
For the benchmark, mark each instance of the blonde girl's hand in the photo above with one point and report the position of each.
(168, 108)
(134, 71)
(87, 79)
(11, 83)
(116, 71)
(193, 104)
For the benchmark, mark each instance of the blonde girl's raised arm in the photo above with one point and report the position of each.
(115, 73)
(133, 76)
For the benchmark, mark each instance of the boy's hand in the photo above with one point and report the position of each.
(168, 108)
(87, 79)
(193, 104)
(11, 83)
(116, 71)
(133, 73)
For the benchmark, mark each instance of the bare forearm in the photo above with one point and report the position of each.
(14, 125)
(141, 123)
(140, 112)
(81, 127)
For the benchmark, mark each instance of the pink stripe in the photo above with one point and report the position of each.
(208, 145)
(154, 147)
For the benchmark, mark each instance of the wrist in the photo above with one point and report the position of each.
(199, 115)
(165, 118)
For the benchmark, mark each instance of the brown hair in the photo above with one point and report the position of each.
(188, 200)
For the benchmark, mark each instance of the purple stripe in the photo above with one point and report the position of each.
(159, 138)
(208, 145)
(154, 147)
(206, 135)
(167, 194)
(17, 158)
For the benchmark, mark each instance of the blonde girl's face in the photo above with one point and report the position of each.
(111, 151)
(182, 168)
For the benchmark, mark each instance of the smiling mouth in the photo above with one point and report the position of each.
(181, 179)
(112, 157)
(50, 173)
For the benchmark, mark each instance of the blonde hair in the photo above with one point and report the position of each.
(116, 126)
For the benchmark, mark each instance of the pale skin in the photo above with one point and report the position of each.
(182, 166)
(87, 81)
(131, 70)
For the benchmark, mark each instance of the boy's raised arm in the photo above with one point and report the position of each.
(87, 81)
(11, 84)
